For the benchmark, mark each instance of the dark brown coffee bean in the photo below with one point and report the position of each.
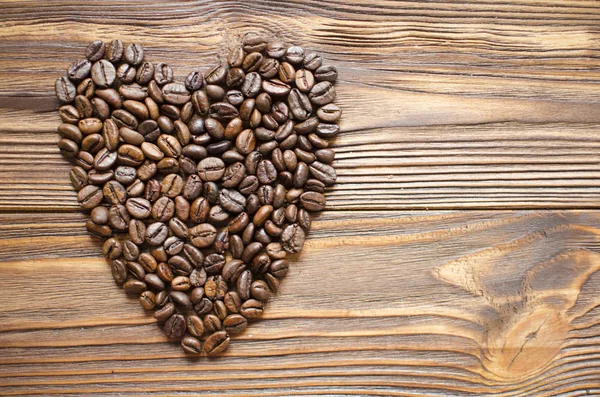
(126, 73)
(112, 248)
(212, 323)
(89, 197)
(329, 113)
(260, 290)
(254, 42)
(95, 50)
(165, 312)
(326, 73)
(304, 80)
(268, 68)
(71, 132)
(191, 345)
(299, 105)
(163, 74)
(214, 263)
(79, 70)
(235, 324)
(198, 277)
(87, 88)
(114, 192)
(148, 262)
(323, 172)
(203, 235)
(275, 87)
(164, 272)
(175, 326)
(114, 51)
(312, 201)
(65, 90)
(148, 300)
(215, 92)
(156, 233)
(134, 287)
(175, 93)
(216, 75)
(211, 169)
(103, 73)
(222, 111)
(100, 231)
(266, 172)
(118, 217)
(180, 265)
(251, 85)
(252, 62)
(279, 268)
(252, 308)
(292, 238)
(119, 271)
(195, 326)
(180, 299)
(216, 343)
(134, 54)
(325, 156)
(133, 268)
(99, 215)
(68, 114)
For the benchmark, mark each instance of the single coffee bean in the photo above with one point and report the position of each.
(164, 313)
(90, 196)
(148, 300)
(203, 235)
(175, 326)
(65, 90)
(79, 177)
(119, 271)
(134, 287)
(191, 345)
(114, 51)
(79, 70)
(292, 239)
(118, 217)
(211, 169)
(326, 73)
(252, 308)
(95, 50)
(216, 343)
(134, 54)
(103, 73)
(254, 42)
(235, 324)
(163, 74)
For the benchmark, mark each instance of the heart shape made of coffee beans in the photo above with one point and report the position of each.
(201, 188)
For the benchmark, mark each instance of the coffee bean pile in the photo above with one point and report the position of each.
(202, 188)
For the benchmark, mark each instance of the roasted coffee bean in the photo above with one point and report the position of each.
(260, 290)
(292, 238)
(175, 326)
(137, 231)
(203, 235)
(326, 73)
(118, 217)
(95, 50)
(90, 196)
(68, 114)
(126, 73)
(254, 42)
(251, 85)
(163, 74)
(103, 73)
(87, 88)
(216, 343)
(65, 90)
(134, 54)
(252, 308)
(148, 300)
(211, 169)
(175, 93)
(252, 61)
(245, 141)
(100, 231)
(276, 49)
(164, 313)
(171, 111)
(180, 299)
(191, 345)
(222, 241)
(235, 324)
(114, 51)
(323, 172)
(119, 271)
(134, 287)
(156, 233)
(79, 70)
(215, 92)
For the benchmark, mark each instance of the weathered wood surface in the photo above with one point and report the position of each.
(448, 106)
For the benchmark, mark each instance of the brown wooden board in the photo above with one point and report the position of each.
(459, 254)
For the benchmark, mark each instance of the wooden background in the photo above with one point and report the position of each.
(460, 251)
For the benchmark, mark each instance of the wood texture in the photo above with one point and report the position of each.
(486, 113)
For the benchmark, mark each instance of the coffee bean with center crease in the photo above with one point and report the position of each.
(103, 73)
(216, 343)
(65, 90)
(79, 70)
(211, 169)
(175, 327)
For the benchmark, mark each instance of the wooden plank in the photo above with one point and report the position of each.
(436, 303)
(508, 165)
(494, 105)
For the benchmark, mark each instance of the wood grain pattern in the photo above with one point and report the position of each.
(455, 107)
